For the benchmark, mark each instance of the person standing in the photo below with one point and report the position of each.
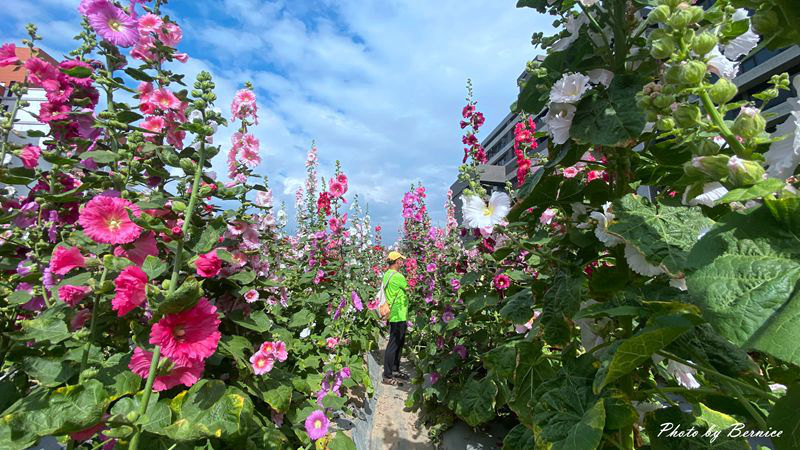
(395, 288)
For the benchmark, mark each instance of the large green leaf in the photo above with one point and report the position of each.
(746, 276)
(610, 117)
(561, 301)
(49, 326)
(118, 378)
(341, 441)
(208, 410)
(301, 319)
(664, 234)
(153, 267)
(520, 437)
(49, 371)
(673, 419)
(784, 417)
(236, 347)
(478, 301)
(279, 397)
(534, 93)
(519, 307)
(501, 359)
(475, 403)
(531, 370)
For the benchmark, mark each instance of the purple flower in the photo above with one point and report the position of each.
(461, 351)
(448, 315)
(317, 425)
(113, 25)
(339, 308)
(431, 267)
(455, 284)
(357, 302)
(345, 372)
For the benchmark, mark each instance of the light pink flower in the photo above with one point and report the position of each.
(571, 172)
(276, 349)
(130, 290)
(208, 265)
(65, 259)
(176, 374)
(30, 156)
(166, 100)
(262, 363)
(72, 295)
(547, 216)
(149, 23)
(114, 25)
(105, 220)
(170, 34)
(190, 335)
(332, 342)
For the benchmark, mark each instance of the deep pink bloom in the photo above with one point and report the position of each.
(190, 335)
(87, 7)
(72, 295)
(114, 25)
(276, 349)
(337, 189)
(105, 219)
(53, 112)
(164, 99)
(156, 124)
(130, 290)
(65, 259)
(170, 34)
(208, 265)
(171, 375)
(571, 172)
(317, 425)
(8, 54)
(262, 363)
(502, 282)
(40, 71)
(142, 248)
(455, 284)
(87, 433)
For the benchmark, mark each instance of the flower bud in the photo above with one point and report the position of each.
(742, 172)
(187, 165)
(693, 72)
(714, 167)
(705, 147)
(704, 43)
(723, 91)
(680, 19)
(765, 22)
(663, 101)
(662, 48)
(659, 14)
(687, 115)
(695, 14)
(673, 74)
(178, 206)
(750, 123)
(666, 124)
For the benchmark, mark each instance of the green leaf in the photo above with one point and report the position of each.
(587, 433)
(531, 370)
(341, 441)
(301, 319)
(243, 277)
(784, 417)
(759, 190)
(117, 378)
(128, 116)
(48, 371)
(35, 133)
(664, 234)
(279, 398)
(501, 359)
(236, 347)
(153, 267)
(100, 156)
(561, 301)
(208, 238)
(77, 71)
(640, 347)
(786, 210)
(18, 298)
(48, 326)
(475, 404)
(478, 301)
(610, 117)
(185, 297)
(138, 74)
(520, 437)
(747, 269)
(534, 94)
(77, 280)
(210, 410)
(519, 307)
(256, 321)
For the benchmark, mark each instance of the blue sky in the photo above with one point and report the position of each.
(378, 84)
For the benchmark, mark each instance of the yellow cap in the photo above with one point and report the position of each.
(394, 256)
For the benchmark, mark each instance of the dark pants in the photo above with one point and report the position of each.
(397, 338)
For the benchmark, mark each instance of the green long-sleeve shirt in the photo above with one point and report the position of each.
(396, 295)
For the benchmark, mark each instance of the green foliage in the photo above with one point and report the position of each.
(610, 117)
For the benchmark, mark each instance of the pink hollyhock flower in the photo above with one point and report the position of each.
(342, 178)
(433, 377)
(448, 316)
(461, 351)
(332, 342)
(345, 372)
(571, 172)
(373, 304)
(87, 433)
(114, 25)
(53, 112)
(262, 363)
(595, 175)
(547, 216)
(337, 189)
(143, 247)
(65, 259)
(105, 219)
(208, 265)
(431, 267)
(72, 295)
(357, 304)
(130, 292)
(87, 7)
(8, 54)
(165, 99)
(251, 296)
(79, 319)
(149, 23)
(186, 375)
(276, 349)
(156, 124)
(171, 34)
(455, 284)
(502, 282)
(189, 335)
(317, 425)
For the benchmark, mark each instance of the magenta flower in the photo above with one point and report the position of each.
(571, 172)
(30, 156)
(208, 265)
(317, 425)
(461, 351)
(502, 282)
(262, 363)
(114, 25)
(141, 248)
(251, 296)
(130, 292)
(357, 304)
(345, 372)
(72, 295)
(168, 376)
(65, 259)
(448, 316)
(105, 220)
(275, 349)
(455, 284)
(190, 335)
(8, 55)
(337, 189)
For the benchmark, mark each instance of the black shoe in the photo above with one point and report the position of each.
(402, 375)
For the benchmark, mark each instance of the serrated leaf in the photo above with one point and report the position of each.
(611, 117)
(476, 403)
(519, 307)
(185, 297)
(531, 370)
(100, 156)
(243, 277)
(153, 267)
(759, 190)
(520, 437)
(210, 410)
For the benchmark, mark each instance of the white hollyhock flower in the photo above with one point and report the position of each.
(573, 26)
(639, 264)
(712, 192)
(682, 373)
(588, 2)
(740, 14)
(642, 408)
(742, 45)
(604, 219)
(478, 214)
(601, 76)
(559, 120)
(720, 65)
(777, 388)
(679, 283)
(264, 198)
(783, 156)
(590, 327)
(570, 88)
(305, 333)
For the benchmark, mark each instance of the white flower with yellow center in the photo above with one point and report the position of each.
(478, 214)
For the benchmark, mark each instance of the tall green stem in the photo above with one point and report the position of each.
(92, 324)
(716, 117)
(13, 117)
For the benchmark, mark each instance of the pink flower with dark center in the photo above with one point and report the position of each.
(502, 282)
(251, 296)
(105, 219)
(337, 189)
(65, 259)
(170, 374)
(72, 295)
(208, 265)
(149, 23)
(130, 290)
(114, 25)
(317, 425)
(189, 335)
(262, 363)
(8, 55)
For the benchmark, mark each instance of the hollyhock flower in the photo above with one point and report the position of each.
(448, 315)
(744, 43)
(87, 7)
(149, 23)
(317, 425)
(53, 112)
(141, 248)
(305, 333)
(357, 304)
(502, 282)
(114, 25)
(337, 189)
(712, 192)
(79, 319)
(572, 27)
(595, 175)
(331, 342)
(130, 290)
(156, 124)
(105, 219)
(720, 65)
(72, 295)
(601, 76)
(275, 349)
(682, 373)
(208, 265)
(251, 296)
(167, 376)
(570, 88)
(164, 99)
(262, 363)
(559, 121)
(604, 219)
(65, 259)
(170, 34)
(8, 55)
(477, 214)
(783, 156)
(461, 351)
(432, 378)
(188, 335)
(639, 264)
(547, 216)
(571, 172)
